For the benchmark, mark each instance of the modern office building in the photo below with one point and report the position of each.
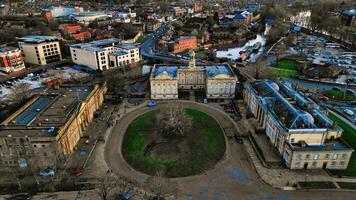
(104, 54)
(11, 60)
(297, 127)
(218, 81)
(49, 126)
(40, 50)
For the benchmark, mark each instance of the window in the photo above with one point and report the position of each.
(307, 157)
(342, 163)
(334, 156)
(314, 164)
(297, 165)
(327, 156)
(43, 145)
(34, 145)
(316, 157)
(333, 163)
(44, 154)
(299, 157)
(344, 156)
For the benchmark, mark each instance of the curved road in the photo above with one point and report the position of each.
(233, 177)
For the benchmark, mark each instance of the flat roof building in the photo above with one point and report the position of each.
(105, 54)
(40, 50)
(11, 60)
(50, 125)
(303, 135)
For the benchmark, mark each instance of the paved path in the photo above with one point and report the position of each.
(234, 177)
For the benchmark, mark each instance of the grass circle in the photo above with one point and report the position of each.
(146, 150)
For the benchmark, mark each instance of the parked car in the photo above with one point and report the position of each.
(123, 196)
(24, 196)
(151, 104)
(238, 138)
(349, 112)
(229, 110)
(47, 172)
(77, 171)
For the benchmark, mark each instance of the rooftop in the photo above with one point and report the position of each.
(214, 70)
(37, 39)
(170, 70)
(290, 108)
(211, 70)
(97, 45)
(328, 145)
(47, 112)
(349, 12)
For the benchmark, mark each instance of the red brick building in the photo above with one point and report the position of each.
(11, 60)
(182, 44)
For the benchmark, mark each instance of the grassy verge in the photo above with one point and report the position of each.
(142, 39)
(282, 72)
(346, 185)
(349, 135)
(201, 54)
(287, 64)
(339, 95)
(317, 185)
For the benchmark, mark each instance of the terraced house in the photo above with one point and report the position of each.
(49, 126)
(297, 127)
(217, 81)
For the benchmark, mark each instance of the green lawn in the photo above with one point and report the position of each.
(346, 185)
(317, 185)
(349, 135)
(339, 95)
(205, 143)
(201, 54)
(283, 72)
(142, 39)
(287, 64)
(135, 142)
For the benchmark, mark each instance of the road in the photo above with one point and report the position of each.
(233, 177)
(312, 85)
(148, 52)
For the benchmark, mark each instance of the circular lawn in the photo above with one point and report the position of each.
(197, 148)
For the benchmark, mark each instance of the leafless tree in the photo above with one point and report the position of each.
(174, 121)
(110, 183)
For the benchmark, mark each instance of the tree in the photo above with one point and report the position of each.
(174, 121)
(110, 183)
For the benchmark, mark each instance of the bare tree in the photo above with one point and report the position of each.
(174, 121)
(110, 183)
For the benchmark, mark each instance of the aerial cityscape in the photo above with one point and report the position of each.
(178, 99)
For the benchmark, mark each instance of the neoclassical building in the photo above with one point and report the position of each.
(218, 81)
